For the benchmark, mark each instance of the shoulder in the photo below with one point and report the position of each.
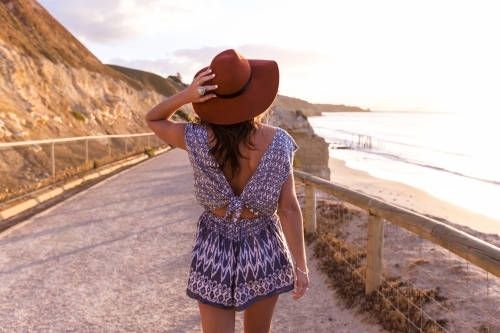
(268, 129)
(287, 140)
(194, 135)
(282, 139)
(193, 129)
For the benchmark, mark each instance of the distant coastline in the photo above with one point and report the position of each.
(310, 109)
(339, 108)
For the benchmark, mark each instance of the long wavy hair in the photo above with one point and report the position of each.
(228, 139)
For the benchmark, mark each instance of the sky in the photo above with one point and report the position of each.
(390, 55)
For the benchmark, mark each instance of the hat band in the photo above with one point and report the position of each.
(239, 92)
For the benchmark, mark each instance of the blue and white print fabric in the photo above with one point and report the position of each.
(237, 261)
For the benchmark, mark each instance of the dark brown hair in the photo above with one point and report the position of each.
(227, 142)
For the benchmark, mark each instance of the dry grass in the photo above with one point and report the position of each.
(25, 186)
(398, 306)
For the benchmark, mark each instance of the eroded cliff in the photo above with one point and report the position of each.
(52, 86)
(312, 155)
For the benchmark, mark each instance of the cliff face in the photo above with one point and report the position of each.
(54, 87)
(41, 99)
(312, 155)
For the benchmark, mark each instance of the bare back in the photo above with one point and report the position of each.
(262, 138)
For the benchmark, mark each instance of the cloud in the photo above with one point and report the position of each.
(285, 57)
(189, 61)
(113, 21)
(162, 67)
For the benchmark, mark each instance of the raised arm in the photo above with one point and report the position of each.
(158, 119)
(291, 222)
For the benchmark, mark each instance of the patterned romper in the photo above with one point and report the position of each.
(238, 261)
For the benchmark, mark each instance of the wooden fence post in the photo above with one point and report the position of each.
(310, 218)
(374, 253)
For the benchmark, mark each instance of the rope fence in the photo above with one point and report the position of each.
(408, 281)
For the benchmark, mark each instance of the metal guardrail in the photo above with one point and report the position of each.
(52, 142)
(77, 138)
(470, 248)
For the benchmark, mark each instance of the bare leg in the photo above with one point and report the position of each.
(257, 317)
(215, 320)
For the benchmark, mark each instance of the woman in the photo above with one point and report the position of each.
(242, 177)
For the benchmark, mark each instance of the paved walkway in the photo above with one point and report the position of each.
(115, 258)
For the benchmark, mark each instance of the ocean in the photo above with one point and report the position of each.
(452, 156)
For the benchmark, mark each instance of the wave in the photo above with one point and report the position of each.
(433, 167)
(394, 142)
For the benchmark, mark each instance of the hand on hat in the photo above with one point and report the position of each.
(192, 92)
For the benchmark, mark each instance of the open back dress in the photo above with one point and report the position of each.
(238, 261)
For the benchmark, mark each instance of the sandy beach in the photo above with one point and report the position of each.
(414, 199)
(467, 289)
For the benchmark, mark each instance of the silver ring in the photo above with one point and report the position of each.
(202, 90)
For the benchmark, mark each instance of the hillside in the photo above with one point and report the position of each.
(153, 82)
(309, 109)
(294, 104)
(54, 87)
(339, 108)
(164, 86)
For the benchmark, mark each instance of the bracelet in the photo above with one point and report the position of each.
(306, 272)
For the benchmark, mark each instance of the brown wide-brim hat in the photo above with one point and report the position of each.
(246, 88)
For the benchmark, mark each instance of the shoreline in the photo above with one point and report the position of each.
(419, 201)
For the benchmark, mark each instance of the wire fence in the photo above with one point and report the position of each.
(27, 166)
(424, 287)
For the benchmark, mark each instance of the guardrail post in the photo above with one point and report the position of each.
(52, 158)
(86, 150)
(374, 253)
(310, 218)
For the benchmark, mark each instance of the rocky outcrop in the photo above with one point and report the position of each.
(312, 155)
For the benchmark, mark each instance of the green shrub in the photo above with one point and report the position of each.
(177, 78)
(79, 116)
(181, 114)
(148, 150)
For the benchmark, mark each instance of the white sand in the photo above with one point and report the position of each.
(320, 309)
(411, 198)
(472, 296)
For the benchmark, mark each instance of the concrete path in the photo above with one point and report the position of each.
(115, 258)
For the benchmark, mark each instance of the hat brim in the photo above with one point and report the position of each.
(255, 100)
